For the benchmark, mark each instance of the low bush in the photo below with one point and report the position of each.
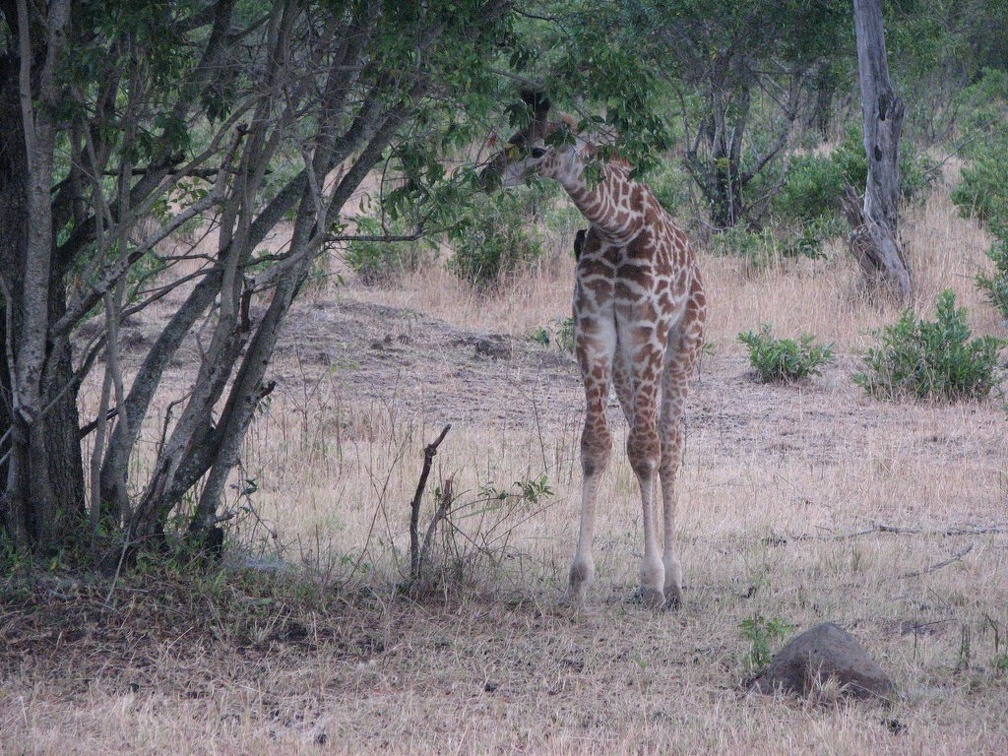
(783, 360)
(931, 359)
(995, 286)
(494, 237)
(381, 262)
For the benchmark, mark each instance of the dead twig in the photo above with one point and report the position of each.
(415, 553)
(938, 565)
(444, 506)
(897, 530)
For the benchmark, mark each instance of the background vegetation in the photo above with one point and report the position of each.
(246, 278)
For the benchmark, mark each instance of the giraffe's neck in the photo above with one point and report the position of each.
(603, 202)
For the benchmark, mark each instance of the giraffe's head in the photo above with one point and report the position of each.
(530, 151)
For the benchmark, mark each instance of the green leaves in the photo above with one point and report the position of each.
(493, 237)
(931, 359)
(763, 633)
(995, 286)
(784, 360)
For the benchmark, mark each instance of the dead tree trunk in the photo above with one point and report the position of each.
(874, 238)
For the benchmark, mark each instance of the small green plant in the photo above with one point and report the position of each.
(784, 359)
(560, 332)
(995, 286)
(763, 634)
(931, 360)
(541, 335)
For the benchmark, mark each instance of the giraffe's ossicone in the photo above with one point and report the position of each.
(639, 309)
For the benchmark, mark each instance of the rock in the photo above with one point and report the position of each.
(818, 655)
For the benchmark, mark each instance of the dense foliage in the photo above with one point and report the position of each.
(931, 359)
(130, 132)
(784, 360)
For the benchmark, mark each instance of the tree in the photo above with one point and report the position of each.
(746, 75)
(874, 238)
(937, 50)
(124, 126)
(121, 123)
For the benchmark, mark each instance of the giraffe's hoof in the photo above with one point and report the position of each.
(673, 596)
(673, 602)
(652, 598)
(582, 574)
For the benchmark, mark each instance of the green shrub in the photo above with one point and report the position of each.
(814, 185)
(494, 237)
(763, 248)
(784, 359)
(381, 262)
(984, 111)
(983, 191)
(758, 249)
(811, 237)
(933, 360)
(995, 287)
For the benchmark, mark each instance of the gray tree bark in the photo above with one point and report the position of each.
(874, 238)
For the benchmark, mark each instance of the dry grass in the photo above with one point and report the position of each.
(804, 503)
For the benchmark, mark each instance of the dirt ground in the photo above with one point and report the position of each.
(805, 502)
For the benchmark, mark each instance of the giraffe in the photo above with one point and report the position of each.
(639, 310)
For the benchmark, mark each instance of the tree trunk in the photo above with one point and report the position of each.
(40, 460)
(874, 238)
(90, 176)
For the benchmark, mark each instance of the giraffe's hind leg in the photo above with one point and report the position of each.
(681, 358)
(641, 353)
(646, 592)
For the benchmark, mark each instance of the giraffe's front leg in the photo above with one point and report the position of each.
(596, 448)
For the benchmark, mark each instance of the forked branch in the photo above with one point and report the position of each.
(415, 553)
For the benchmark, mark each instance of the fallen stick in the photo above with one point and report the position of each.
(938, 565)
(897, 530)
